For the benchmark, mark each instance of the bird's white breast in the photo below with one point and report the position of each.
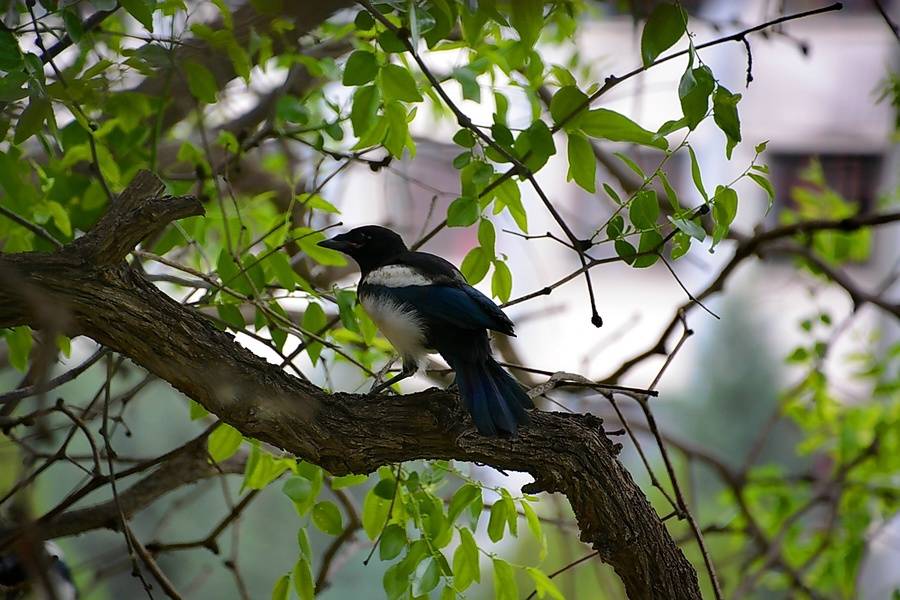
(401, 325)
(394, 276)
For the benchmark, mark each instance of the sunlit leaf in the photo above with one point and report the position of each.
(398, 84)
(223, 442)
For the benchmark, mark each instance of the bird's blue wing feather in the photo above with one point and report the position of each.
(461, 306)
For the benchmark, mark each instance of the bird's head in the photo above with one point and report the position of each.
(370, 246)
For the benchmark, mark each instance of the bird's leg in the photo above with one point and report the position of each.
(409, 369)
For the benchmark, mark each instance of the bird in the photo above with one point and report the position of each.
(423, 304)
(41, 569)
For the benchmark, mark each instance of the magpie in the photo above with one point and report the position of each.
(423, 304)
(19, 577)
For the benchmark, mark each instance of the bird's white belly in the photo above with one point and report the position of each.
(401, 326)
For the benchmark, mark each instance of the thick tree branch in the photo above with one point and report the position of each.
(345, 433)
(139, 212)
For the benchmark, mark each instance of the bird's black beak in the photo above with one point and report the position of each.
(339, 244)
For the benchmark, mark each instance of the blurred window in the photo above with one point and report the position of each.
(853, 176)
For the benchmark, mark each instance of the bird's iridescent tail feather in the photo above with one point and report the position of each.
(495, 400)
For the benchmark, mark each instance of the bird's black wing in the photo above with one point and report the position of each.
(450, 298)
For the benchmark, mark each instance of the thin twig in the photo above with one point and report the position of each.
(32, 227)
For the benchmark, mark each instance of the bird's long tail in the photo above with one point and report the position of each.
(495, 400)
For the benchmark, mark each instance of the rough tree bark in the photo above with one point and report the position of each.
(106, 300)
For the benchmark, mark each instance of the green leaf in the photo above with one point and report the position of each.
(196, 411)
(327, 517)
(314, 320)
(429, 580)
(19, 342)
(262, 468)
(672, 126)
(630, 164)
(534, 524)
(345, 481)
(528, 19)
(724, 211)
(651, 242)
(393, 541)
(64, 343)
(690, 227)
(462, 159)
(398, 84)
(608, 124)
(497, 522)
(665, 26)
(612, 193)
(365, 106)
(462, 498)
(487, 236)
(537, 144)
(644, 209)
(291, 109)
(615, 227)
(60, 217)
(475, 265)
(582, 162)
(512, 517)
(386, 489)
(501, 281)
(463, 212)
(695, 174)
(466, 566)
(396, 581)
(397, 128)
(726, 117)
(223, 442)
(11, 85)
(299, 489)
(694, 91)
(671, 194)
(544, 585)
(10, 53)
(282, 588)
(564, 103)
(73, 24)
(303, 543)
(505, 587)
(468, 80)
(200, 81)
(625, 251)
(231, 315)
(681, 243)
(464, 138)
(308, 240)
(763, 182)
(510, 196)
(361, 68)
(31, 119)
(303, 580)
(142, 10)
(375, 513)
(281, 268)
